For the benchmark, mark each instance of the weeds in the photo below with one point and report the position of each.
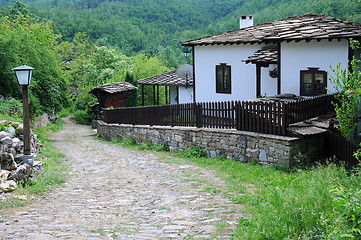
(194, 152)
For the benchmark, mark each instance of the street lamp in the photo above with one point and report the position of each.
(23, 74)
(186, 53)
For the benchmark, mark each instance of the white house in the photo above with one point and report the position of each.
(292, 55)
(180, 90)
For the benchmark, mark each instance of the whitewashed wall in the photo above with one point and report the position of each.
(243, 76)
(173, 95)
(298, 56)
(268, 84)
(294, 58)
(185, 95)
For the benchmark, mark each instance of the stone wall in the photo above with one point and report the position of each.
(237, 145)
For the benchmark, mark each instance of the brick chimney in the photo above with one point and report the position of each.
(245, 21)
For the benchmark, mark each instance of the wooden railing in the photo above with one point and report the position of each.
(342, 149)
(270, 117)
(303, 109)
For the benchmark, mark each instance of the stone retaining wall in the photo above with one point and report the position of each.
(237, 145)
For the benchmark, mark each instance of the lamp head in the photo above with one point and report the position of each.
(23, 74)
(186, 53)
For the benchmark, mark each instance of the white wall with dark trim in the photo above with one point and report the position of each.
(243, 76)
(298, 56)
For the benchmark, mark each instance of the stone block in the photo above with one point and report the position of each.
(8, 186)
(252, 144)
(262, 156)
(241, 142)
(252, 153)
(212, 154)
(8, 161)
(239, 156)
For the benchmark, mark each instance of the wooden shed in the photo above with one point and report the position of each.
(112, 94)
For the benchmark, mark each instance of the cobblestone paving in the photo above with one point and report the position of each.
(118, 193)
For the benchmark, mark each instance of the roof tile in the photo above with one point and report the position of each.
(308, 26)
(166, 79)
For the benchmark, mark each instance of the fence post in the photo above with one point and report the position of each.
(198, 114)
(284, 118)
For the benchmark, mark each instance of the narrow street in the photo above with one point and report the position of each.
(119, 193)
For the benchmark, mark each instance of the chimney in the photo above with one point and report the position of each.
(245, 21)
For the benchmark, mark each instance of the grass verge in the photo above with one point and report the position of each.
(321, 202)
(52, 175)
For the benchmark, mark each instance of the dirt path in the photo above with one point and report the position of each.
(119, 193)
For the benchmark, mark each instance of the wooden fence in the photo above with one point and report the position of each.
(270, 117)
(303, 109)
(341, 148)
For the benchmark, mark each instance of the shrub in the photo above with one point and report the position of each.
(161, 147)
(11, 107)
(129, 142)
(195, 152)
(84, 117)
(146, 145)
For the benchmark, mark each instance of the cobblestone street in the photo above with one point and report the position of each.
(119, 193)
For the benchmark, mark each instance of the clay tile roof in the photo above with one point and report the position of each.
(265, 55)
(166, 79)
(307, 27)
(115, 87)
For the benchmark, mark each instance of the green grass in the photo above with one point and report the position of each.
(52, 176)
(320, 202)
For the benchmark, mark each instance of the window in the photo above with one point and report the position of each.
(223, 78)
(313, 82)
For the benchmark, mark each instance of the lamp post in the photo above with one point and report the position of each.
(23, 74)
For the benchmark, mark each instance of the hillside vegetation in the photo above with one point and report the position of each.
(155, 27)
(77, 45)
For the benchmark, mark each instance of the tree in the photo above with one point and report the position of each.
(29, 41)
(132, 95)
(145, 67)
(346, 83)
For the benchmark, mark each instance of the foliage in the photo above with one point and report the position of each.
(154, 27)
(347, 105)
(27, 40)
(194, 152)
(84, 117)
(64, 112)
(146, 145)
(11, 107)
(161, 147)
(145, 67)
(132, 95)
(347, 206)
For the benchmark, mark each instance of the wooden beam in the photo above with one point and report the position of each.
(258, 80)
(279, 68)
(166, 94)
(157, 94)
(350, 56)
(142, 94)
(177, 95)
(154, 102)
(194, 75)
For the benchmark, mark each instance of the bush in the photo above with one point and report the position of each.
(11, 107)
(161, 147)
(195, 152)
(146, 145)
(84, 117)
(65, 112)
